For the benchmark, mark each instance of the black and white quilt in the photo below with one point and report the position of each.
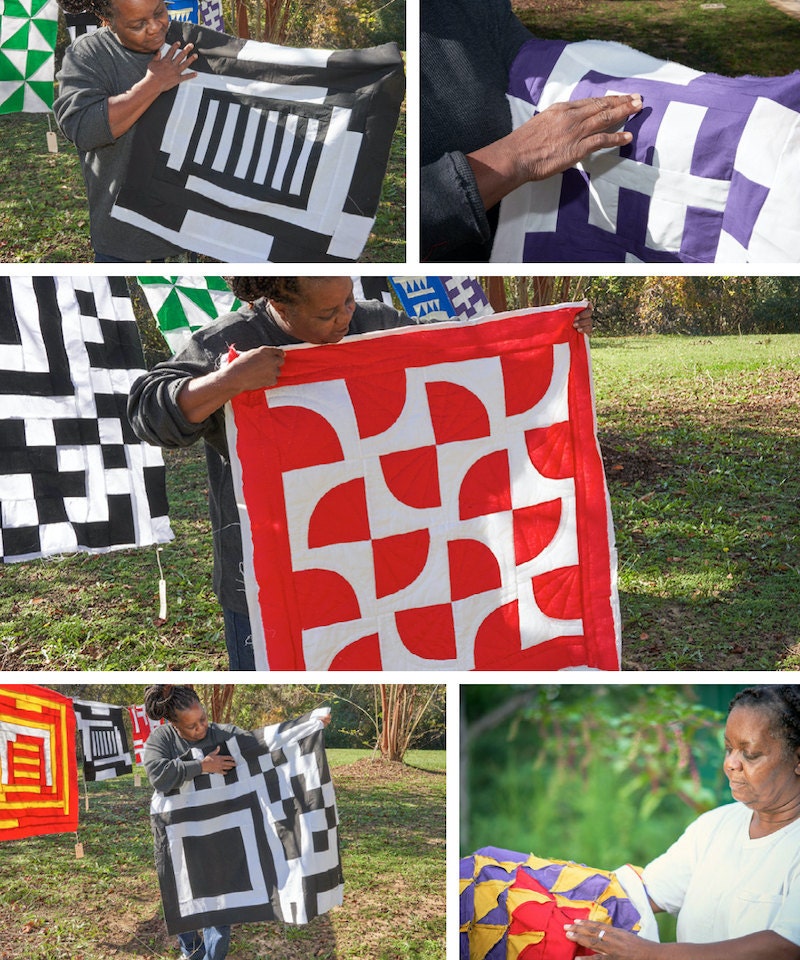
(73, 475)
(269, 154)
(105, 743)
(259, 843)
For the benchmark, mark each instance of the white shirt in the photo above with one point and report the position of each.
(724, 885)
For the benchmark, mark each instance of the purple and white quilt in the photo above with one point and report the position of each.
(711, 174)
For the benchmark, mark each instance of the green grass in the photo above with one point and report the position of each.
(743, 37)
(700, 439)
(107, 904)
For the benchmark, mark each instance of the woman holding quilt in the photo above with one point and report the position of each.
(733, 878)
(186, 727)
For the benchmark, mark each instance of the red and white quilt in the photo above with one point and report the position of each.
(430, 497)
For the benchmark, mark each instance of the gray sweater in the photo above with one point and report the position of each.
(95, 68)
(165, 748)
(467, 48)
(156, 417)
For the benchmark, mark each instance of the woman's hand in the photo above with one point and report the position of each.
(252, 370)
(609, 942)
(550, 143)
(216, 762)
(583, 321)
(163, 73)
(170, 69)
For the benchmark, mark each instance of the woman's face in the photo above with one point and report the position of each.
(140, 25)
(322, 312)
(763, 773)
(192, 723)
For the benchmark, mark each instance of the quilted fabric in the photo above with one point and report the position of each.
(514, 907)
(260, 842)
(429, 497)
(38, 767)
(711, 174)
(269, 154)
(27, 45)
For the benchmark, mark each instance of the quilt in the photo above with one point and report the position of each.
(515, 906)
(429, 497)
(38, 768)
(27, 47)
(73, 475)
(211, 15)
(105, 743)
(270, 154)
(433, 299)
(709, 177)
(142, 727)
(181, 305)
(260, 842)
(79, 24)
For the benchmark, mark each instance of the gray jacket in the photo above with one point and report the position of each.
(95, 68)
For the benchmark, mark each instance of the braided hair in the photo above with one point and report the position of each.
(782, 701)
(102, 9)
(285, 289)
(164, 701)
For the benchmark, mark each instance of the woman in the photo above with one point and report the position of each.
(107, 81)
(470, 156)
(733, 878)
(181, 401)
(187, 727)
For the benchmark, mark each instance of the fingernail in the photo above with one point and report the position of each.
(636, 100)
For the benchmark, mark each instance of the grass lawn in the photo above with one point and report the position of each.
(392, 830)
(44, 217)
(701, 443)
(735, 38)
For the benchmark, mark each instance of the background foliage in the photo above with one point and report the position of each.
(601, 774)
(356, 708)
(690, 305)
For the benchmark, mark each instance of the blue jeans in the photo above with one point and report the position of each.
(239, 640)
(208, 944)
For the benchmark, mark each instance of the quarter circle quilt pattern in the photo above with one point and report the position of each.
(472, 531)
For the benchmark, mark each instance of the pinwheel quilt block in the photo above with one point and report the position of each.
(27, 46)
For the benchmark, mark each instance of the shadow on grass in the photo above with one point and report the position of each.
(707, 522)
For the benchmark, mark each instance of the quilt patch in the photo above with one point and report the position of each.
(73, 475)
(259, 843)
(182, 305)
(270, 154)
(710, 175)
(142, 727)
(513, 905)
(434, 299)
(27, 46)
(430, 497)
(105, 743)
(38, 769)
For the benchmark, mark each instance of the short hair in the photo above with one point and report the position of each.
(164, 701)
(782, 701)
(285, 289)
